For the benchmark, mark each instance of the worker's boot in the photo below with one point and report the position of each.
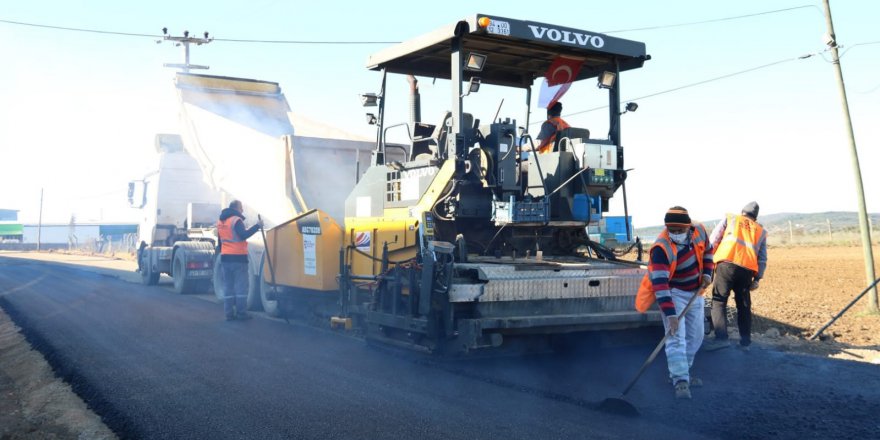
(695, 382)
(682, 390)
(714, 344)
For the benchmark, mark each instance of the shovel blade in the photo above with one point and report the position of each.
(618, 406)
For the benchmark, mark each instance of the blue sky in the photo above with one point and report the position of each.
(79, 110)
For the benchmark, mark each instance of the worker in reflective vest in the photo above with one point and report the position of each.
(551, 127)
(680, 265)
(741, 258)
(234, 260)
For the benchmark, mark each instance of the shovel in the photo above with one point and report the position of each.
(268, 258)
(618, 405)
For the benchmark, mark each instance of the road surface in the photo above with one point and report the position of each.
(154, 364)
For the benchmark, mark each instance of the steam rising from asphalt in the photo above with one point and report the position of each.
(239, 143)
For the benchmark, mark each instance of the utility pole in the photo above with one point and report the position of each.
(40, 221)
(185, 41)
(831, 40)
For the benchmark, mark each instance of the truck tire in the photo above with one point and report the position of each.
(254, 301)
(148, 276)
(182, 284)
(271, 307)
(219, 290)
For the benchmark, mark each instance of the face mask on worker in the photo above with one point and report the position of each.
(681, 238)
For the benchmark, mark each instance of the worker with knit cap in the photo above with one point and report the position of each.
(740, 244)
(680, 267)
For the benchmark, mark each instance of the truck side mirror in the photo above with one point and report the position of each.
(137, 194)
(130, 193)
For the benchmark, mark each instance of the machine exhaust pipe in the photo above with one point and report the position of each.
(415, 103)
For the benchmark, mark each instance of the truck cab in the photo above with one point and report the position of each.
(176, 232)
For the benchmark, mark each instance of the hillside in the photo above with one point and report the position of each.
(795, 224)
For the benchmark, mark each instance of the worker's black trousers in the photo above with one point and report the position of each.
(729, 276)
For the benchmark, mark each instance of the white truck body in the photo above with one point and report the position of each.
(238, 142)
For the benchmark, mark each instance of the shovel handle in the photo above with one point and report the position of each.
(266, 252)
(660, 344)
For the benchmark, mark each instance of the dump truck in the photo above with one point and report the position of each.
(237, 141)
(175, 231)
(472, 240)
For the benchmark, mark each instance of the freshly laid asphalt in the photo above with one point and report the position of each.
(157, 365)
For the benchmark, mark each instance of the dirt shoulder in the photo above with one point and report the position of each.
(35, 404)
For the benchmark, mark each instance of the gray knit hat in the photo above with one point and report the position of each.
(751, 209)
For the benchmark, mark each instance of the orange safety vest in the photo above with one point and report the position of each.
(547, 144)
(232, 244)
(741, 243)
(645, 296)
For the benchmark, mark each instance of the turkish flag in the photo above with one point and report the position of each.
(563, 70)
(550, 94)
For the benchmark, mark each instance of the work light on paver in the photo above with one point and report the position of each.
(606, 80)
(369, 99)
(475, 62)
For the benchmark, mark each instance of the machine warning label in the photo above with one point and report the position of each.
(313, 228)
(498, 27)
(363, 241)
(310, 260)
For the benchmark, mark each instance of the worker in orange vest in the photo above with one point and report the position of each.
(680, 266)
(234, 260)
(551, 127)
(740, 244)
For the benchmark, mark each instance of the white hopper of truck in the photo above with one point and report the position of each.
(252, 148)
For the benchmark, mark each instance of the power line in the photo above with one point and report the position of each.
(877, 87)
(241, 40)
(741, 72)
(95, 31)
(714, 20)
(230, 40)
(233, 40)
(856, 45)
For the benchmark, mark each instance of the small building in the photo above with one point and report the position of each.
(80, 233)
(10, 228)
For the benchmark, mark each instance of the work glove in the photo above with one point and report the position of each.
(672, 323)
(754, 285)
(706, 281)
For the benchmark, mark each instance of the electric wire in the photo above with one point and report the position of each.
(856, 45)
(718, 78)
(327, 42)
(94, 31)
(228, 40)
(685, 86)
(714, 20)
(235, 40)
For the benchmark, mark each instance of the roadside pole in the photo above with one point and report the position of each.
(40, 221)
(831, 40)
